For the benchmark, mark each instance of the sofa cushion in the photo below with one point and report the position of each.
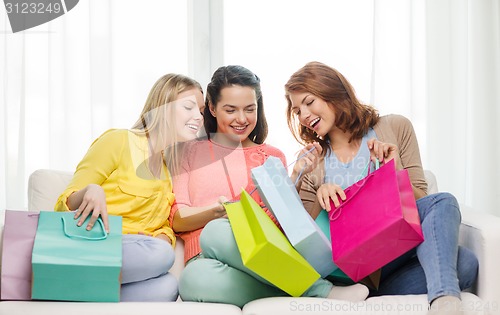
(124, 308)
(387, 305)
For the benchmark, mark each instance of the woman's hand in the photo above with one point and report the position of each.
(327, 192)
(192, 218)
(218, 209)
(94, 204)
(382, 151)
(308, 160)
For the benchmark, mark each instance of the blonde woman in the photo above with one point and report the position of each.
(127, 173)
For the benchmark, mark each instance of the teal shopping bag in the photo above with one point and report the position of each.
(72, 264)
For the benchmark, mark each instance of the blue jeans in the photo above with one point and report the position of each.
(438, 266)
(145, 265)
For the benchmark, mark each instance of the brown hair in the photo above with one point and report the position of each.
(331, 86)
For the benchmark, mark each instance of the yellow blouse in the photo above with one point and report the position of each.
(117, 161)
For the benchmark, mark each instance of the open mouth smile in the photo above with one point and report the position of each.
(239, 129)
(193, 127)
(314, 122)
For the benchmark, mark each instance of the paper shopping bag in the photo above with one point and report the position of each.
(377, 222)
(280, 196)
(265, 250)
(73, 264)
(338, 276)
(18, 237)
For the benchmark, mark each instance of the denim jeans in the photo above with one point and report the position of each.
(438, 266)
(145, 265)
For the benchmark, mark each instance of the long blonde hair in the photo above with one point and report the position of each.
(159, 118)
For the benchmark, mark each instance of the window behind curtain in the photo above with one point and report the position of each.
(276, 38)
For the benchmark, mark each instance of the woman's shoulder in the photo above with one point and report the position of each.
(113, 135)
(191, 147)
(194, 144)
(394, 119)
(394, 128)
(393, 122)
(271, 150)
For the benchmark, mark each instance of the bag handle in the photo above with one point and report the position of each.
(303, 167)
(368, 166)
(335, 214)
(298, 177)
(90, 238)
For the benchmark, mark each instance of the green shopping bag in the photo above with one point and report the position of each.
(72, 264)
(265, 250)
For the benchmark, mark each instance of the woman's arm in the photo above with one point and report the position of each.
(84, 191)
(418, 193)
(310, 184)
(193, 218)
(410, 154)
(307, 160)
(399, 130)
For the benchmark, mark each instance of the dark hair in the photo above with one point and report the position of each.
(228, 76)
(331, 86)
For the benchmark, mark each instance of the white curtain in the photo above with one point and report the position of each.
(398, 81)
(65, 82)
(436, 62)
(463, 80)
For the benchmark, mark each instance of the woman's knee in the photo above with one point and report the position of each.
(209, 280)
(217, 234)
(451, 204)
(161, 256)
(444, 203)
(146, 257)
(445, 198)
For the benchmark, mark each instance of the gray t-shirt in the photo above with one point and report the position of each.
(346, 174)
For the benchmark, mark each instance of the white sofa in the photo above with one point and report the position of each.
(479, 232)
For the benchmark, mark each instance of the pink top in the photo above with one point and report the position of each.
(209, 170)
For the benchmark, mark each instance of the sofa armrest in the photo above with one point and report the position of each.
(480, 233)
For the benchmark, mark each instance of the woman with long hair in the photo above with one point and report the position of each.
(126, 172)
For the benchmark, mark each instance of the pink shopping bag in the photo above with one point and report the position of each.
(18, 238)
(377, 222)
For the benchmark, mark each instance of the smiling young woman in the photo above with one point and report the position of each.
(125, 172)
(213, 172)
(236, 115)
(322, 107)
